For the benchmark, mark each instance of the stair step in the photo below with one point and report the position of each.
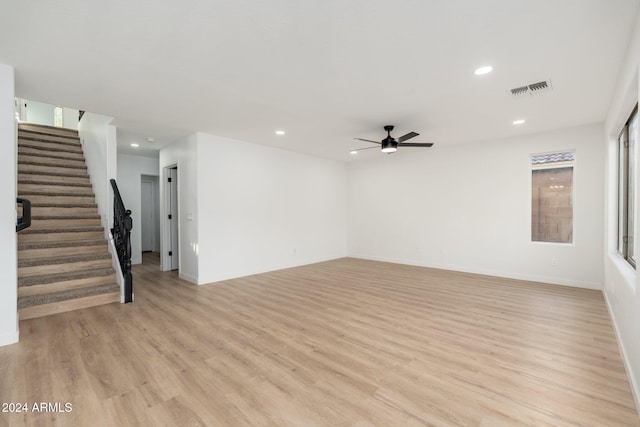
(54, 211)
(69, 216)
(60, 244)
(65, 276)
(35, 262)
(54, 179)
(60, 230)
(63, 221)
(51, 170)
(58, 191)
(29, 251)
(47, 130)
(87, 233)
(49, 140)
(39, 181)
(28, 158)
(58, 198)
(71, 266)
(46, 134)
(34, 150)
(49, 147)
(25, 291)
(61, 302)
(64, 189)
(54, 164)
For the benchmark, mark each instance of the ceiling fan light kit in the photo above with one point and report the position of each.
(390, 145)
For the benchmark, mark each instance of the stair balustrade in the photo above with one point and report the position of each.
(121, 232)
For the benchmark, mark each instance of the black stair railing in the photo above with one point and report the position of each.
(121, 232)
(25, 220)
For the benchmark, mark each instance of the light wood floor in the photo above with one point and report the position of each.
(342, 343)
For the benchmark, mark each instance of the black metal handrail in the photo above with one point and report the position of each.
(121, 232)
(25, 220)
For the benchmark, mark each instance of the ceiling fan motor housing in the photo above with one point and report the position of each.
(389, 145)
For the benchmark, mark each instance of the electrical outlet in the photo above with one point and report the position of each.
(554, 262)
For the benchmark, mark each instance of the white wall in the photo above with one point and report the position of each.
(43, 114)
(183, 154)
(468, 208)
(621, 282)
(40, 113)
(8, 250)
(99, 143)
(130, 170)
(263, 208)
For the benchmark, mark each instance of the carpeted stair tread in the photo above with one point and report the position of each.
(68, 259)
(33, 300)
(51, 164)
(55, 193)
(22, 154)
(61, 149)
(57, 184)
(46, 129)
(63, 217)
(70, 175)
(61, 277)
(47, 230)
(43, 138)
(62, 244)
(64, 205)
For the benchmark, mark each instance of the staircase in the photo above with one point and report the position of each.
(63, 260)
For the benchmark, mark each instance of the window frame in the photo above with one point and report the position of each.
(626, 189)
(547, 166)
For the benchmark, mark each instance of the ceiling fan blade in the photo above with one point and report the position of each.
(367, 140)
(366, 148)
(416, 144)
(407, 136)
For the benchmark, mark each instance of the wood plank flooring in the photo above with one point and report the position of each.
(342, 343)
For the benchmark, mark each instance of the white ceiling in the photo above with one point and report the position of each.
(325, 71)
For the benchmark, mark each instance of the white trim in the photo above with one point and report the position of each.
(635, 387)
(115, 263)
(488, 272)
(11, 337)
(188, 278)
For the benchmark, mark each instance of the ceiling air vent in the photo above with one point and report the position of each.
(531, 89)
(522, 90)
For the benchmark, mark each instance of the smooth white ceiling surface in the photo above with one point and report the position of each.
(325, 71)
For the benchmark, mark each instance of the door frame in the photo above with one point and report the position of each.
(165, 225)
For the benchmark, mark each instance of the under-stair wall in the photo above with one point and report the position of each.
(8, 308)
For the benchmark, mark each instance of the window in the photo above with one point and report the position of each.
(627, 176)
(58, 120)
(552, 197)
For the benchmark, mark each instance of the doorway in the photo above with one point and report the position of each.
(171, 255)
(149, 214)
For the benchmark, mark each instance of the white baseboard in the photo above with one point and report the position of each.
(489, 272)
(8, 338)
(188, 278)
(635, 387)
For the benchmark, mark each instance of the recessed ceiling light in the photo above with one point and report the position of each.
(483, 70)
(151, 139)
(279, 132)
(519, 122)
(135, 145)
(353, 152)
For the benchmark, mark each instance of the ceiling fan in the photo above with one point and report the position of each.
(390, 145)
